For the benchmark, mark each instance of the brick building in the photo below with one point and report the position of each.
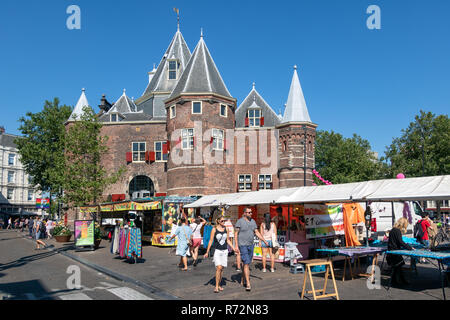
(187, 135)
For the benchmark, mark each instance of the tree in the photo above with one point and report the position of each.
(85, 177)
(342, 160)
(41, 148)
(423, 149)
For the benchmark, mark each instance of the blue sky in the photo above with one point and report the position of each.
(355, 80)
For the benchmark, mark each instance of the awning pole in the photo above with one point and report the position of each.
(393, 213)
(289, 223)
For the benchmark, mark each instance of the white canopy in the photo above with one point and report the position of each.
(261, 197)
(214, 200)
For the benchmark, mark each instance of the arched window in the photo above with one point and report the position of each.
(142, 184)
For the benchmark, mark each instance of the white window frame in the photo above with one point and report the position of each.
(265, 181)
(13, 155)
(226, 110)
(187, 139)
(247, 184)
(173, 111)
(118, 117)
(13, 177)
(138, 152)
(8, 196)
(30, 192)
(177, 67)
(255, 119)
(218, 139)
(201, 107)
(161, 151)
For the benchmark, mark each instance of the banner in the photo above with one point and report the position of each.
(279, 254)
(84, 232)
(161, 239)
(88, 209)
(323, 220)
(42, 203)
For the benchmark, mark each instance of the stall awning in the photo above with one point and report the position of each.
(214, 200)
(261, 197)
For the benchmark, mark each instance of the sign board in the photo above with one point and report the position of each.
(84, 232)
(42, 203)
(323, 221)
(279, 254)
(161, 239)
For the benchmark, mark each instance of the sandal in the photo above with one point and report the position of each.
(249, 288)
(220, 289)
(216, 291)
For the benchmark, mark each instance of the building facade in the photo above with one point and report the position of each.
(17, 195)
(188, 136)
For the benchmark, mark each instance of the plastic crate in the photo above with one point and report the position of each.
(318, 269)
(297, 268)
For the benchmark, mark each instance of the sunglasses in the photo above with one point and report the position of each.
(249, 212)
(221, 221)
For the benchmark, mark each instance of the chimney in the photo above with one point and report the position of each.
(2, 129)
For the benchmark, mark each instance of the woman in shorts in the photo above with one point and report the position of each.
(196, 237)
(268, 230)
(220, 238)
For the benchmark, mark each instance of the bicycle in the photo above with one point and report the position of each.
(441, 237)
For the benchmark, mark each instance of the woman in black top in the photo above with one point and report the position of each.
(396, 243)
(220, 238)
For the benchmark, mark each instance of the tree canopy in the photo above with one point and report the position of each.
(423, 148)
(345, 160)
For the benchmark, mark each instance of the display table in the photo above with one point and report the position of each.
(354, 253)
(441, 257)
(161, 239)
(329, 267)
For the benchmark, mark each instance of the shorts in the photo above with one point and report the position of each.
(246, 254)
(221, 258)
(269, 242)
(196, 242)
(182, 249)
(38, 235)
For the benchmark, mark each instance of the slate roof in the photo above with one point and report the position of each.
(7, 140)
(296, 110)
(177, 49)
(255, 100)
(201, 75)
(78, 110)
(126, 108)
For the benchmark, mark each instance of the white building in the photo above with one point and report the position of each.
(17, 195)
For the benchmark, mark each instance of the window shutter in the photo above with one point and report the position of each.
(262, 122)
(168, 145)
(178, 142)
(237, 187)
(224, 145)
(246, 122)
(165, 148)
(147, 156)
(152, 156)
(129, 157)
(211, 141)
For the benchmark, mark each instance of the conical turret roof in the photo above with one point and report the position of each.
(296, 110)
(201, 74)
(78, 110)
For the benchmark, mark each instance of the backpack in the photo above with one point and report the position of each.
(418, 230)
(42, 228)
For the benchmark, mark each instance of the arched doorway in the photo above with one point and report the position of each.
(143, 185)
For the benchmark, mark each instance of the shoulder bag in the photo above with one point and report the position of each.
(275, 243)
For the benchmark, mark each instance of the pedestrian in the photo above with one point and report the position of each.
(30, 226)
(425, 223)
(396, 243)
(244, 235)
(221, 240)
(268, 229)
(9, 224)
(50, 226)
(183, 233)
(39, 229)
(21, 225)
(25, 223)
(196, 227)
(279, 220)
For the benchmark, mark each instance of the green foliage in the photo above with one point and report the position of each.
(97, 231)
(423, 149)
(41, 146)
(61, 230)
(85, 177)
(342, 160)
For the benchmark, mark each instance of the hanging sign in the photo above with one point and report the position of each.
(42, 203)
(84, 232)
(323, 220)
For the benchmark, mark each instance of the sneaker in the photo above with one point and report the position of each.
(264, 270)
(272, 270)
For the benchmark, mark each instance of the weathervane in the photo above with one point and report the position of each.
(177, 11)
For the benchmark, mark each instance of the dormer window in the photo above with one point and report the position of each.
(254, 117)
(174, 65)
(115, 117)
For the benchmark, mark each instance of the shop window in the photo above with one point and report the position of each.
(245, 182)
(187, 138)
(139, 149)
(264, 181)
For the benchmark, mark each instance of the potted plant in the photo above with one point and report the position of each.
(61, 232)
(97, 235)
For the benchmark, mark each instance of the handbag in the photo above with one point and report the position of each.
(275, 243)
(188, 240)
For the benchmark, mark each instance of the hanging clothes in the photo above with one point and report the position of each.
(134, 243)
(353, 214)
(207, 235)
(115, 240)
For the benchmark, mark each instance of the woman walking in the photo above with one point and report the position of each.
(196, 237)
(39, 229)
(219, 236)
(184, 235)
(396, 243)
(268, 229)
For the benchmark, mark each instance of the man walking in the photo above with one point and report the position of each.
(244, 235)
